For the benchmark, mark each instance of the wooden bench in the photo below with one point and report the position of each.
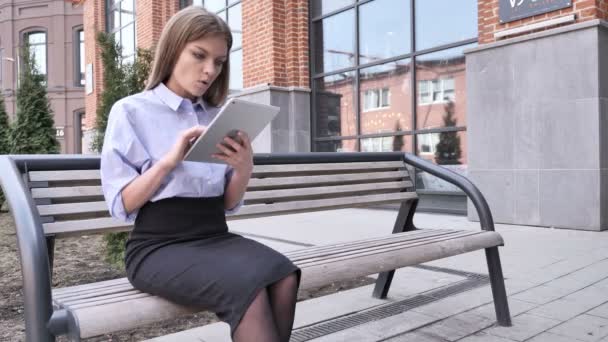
(56, 196)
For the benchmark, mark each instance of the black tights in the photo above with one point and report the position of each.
(270, 316)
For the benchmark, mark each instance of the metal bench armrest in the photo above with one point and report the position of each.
(32, 251)
(483, 210)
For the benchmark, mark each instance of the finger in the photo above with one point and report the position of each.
(245, 138)
(236, 146)
(225, 150)
(194, 132)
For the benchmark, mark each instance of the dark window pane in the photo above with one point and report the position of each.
(326, 6)
(335, 110)
(440, 22)
(349, 145)
(383, 33)
(441, 89)
(236, 25)
(236, 70)
(335, 42)
(215, 5)
(447, 149)
(386, 98)
(399, 143)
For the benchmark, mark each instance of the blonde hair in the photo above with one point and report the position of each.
(188, 25)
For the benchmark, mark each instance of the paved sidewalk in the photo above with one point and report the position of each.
(557, 281)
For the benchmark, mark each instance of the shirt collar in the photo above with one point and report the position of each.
(173, 100)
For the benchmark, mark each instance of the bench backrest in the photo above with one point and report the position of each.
(70, 202)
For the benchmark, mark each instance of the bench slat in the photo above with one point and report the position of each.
(109, 314)
(67, 192)
(73, 208)
(279, 182)
(67, 175)
(325, 167)
(90, 226)
(354, 189)
(322, 204)
(75, 175)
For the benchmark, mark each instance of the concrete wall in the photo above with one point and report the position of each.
(538, 128)
(290, 129)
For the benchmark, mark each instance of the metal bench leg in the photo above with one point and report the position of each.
(403, 223)
(501, 305)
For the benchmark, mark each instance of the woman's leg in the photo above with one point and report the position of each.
(257, 323)
(283, 295)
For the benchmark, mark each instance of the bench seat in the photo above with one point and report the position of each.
(124, 307)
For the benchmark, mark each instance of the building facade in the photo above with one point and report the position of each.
(472, 85)
(55, 33)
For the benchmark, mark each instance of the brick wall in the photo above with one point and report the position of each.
(151, 18)
(93, 22)
(488, 22)
(275, 42)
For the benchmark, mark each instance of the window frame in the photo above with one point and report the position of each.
(79, 75)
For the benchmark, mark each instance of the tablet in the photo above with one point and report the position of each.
(235, 115)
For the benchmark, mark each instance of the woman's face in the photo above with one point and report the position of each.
(198, 66)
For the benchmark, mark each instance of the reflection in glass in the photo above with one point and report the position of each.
(447, 149)
(394, 143)
(236, 25)
(349, 145)
(440, 22)
(37, 43)
(236, 70)
(128, 40)
(126, 12)
(197, 3)
(326, 6)
(441, 89)
(115, 19)
(382, 33)
(215, 5)
(335, 105)
(335, 42)
(81, 56)
(386, 97)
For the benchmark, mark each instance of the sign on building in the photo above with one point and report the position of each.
(511, 10)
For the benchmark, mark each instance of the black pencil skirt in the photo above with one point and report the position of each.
(180, 249)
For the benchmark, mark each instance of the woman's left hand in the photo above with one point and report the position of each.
(239, 156)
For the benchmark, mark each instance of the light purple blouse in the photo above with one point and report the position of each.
(141, 129)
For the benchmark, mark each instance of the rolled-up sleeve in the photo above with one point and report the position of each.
(229, 211)
(123, 158)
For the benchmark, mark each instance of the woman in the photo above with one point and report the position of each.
(180, 247)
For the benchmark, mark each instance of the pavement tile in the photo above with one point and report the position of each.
(524, 327)
(457, 327)
(550, 337)
(542, 294)
(415, 337)
(583, 327)
(516, 307)
(485, 337)
(457, 303)
(600, 311)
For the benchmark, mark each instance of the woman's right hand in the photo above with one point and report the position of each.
(180, 147)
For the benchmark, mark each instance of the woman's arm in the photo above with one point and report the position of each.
(240, 157)
(142, 188)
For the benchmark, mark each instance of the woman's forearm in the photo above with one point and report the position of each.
(142, 188)
(236, 189)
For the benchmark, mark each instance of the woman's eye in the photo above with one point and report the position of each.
(219, 63)
(199, 56)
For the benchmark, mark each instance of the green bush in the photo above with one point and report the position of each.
(5, 129)
(119, 80)
(33, 131)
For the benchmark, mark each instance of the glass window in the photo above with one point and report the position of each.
(347, 145)
(447, 149)
(320, 7)
(440, 22)
(441, 88)
(214, 5)
(122, 23)
(236, 25)
(386, 97)
(1, 67)
(236, 70)
(80, 66)
(382, 33)
(335, 42)
(335, 100)
(37, 43)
